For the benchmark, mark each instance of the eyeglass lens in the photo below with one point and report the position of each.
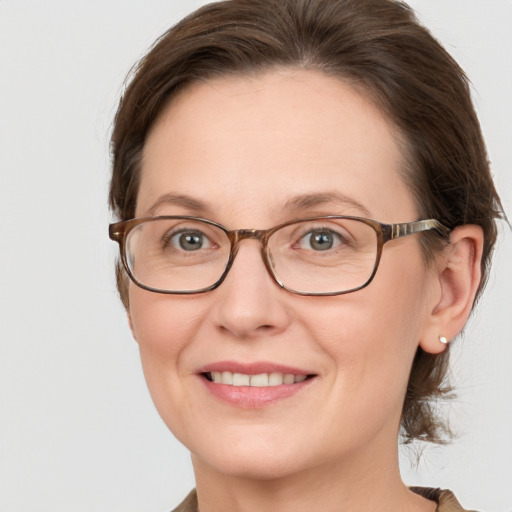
(316, 256)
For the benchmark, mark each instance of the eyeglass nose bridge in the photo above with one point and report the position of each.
(238, 235)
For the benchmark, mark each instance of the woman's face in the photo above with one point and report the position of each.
(254, 153)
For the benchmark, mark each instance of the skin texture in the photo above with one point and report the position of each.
(244, 148)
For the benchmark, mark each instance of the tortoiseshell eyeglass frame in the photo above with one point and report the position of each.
(119, 231)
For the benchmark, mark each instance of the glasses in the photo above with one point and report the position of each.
(329, 255)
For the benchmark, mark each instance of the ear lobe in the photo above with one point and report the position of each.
(459, 274)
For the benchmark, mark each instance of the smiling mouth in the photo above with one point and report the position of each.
(261, 380)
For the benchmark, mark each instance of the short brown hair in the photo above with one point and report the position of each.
(376, 45)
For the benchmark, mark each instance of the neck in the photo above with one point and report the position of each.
(370, 483)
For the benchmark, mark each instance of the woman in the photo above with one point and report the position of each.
(306, 220)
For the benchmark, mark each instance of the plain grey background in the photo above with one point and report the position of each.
(78, 430)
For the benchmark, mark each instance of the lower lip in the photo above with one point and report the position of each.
(249, 397)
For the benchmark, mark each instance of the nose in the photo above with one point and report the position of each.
(249, 303)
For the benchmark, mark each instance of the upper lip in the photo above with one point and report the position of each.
(254, 368)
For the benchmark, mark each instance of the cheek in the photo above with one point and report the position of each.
(161, 323)
(371, 352)
(163, 327)
(372, 335)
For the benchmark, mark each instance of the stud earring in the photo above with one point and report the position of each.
(443, 340)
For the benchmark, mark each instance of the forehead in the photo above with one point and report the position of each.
(243, 145)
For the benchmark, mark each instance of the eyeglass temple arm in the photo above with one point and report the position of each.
(409, 228)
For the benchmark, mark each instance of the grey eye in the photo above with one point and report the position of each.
(320, 240)
(190, 241)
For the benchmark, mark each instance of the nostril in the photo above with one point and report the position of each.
(266, 329)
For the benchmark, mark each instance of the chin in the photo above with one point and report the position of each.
(245, 458)
(255, 467)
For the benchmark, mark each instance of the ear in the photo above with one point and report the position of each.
(130, 323)
(458, 275)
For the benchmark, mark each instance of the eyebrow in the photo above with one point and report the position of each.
(181, 200)
(308, 201)
(292, 206)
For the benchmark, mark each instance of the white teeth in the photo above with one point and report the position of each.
(288, 379)
(227, 378)
(260, 380)
(275, 379)
(240, 379)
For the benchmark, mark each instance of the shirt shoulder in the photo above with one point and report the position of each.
(189, 504)
(445, 499)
